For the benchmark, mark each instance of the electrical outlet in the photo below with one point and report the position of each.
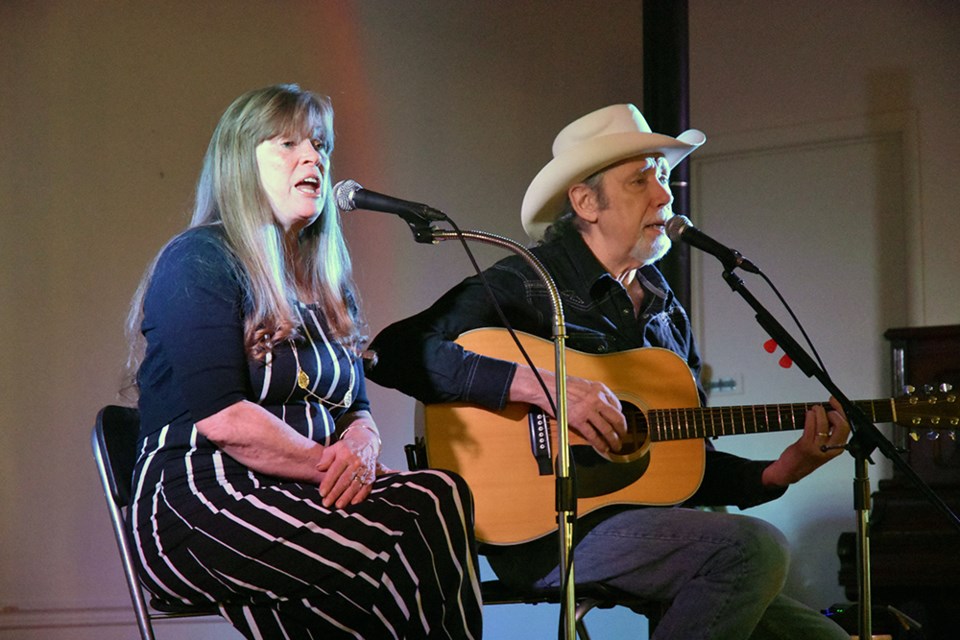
(725, 385)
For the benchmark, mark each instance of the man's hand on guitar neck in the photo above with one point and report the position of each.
(593, 411)
(824, 434)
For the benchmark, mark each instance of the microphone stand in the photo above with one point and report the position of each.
(566, 499)
(864, 439)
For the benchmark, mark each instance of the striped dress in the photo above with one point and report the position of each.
(401, 564)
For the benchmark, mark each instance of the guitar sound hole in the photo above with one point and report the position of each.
(637, 433)
(597, 476)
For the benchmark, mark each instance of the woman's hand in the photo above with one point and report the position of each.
(349, 466)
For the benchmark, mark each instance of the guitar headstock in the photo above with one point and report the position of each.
(929, 412)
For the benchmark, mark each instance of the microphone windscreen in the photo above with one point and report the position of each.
(676, 226)
(343, 193)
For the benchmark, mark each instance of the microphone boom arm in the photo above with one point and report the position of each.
(420, 225)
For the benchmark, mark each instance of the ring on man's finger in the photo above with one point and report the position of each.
(823, 434)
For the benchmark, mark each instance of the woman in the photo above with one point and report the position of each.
(258, 485)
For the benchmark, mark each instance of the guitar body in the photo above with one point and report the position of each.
(492, 451)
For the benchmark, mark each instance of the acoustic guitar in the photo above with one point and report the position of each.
(661, 461)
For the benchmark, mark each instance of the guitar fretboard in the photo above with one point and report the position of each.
(699, 422)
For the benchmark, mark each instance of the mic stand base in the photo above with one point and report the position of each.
(861, 502)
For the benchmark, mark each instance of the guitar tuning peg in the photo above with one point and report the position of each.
(946, 387)
(908, 389)
(932, 435)
(952, 435)
(786, 362)
(928, 388)
(914, 436)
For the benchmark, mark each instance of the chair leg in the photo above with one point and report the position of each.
(582, 630)
(583, 607)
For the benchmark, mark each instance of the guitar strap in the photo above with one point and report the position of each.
(540, 442)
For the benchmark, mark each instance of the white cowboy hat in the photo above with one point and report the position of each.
(589, 144)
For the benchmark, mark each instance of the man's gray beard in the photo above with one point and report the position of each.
(658, 250)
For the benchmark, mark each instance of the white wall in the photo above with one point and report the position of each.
(875, 255)
(106, 108)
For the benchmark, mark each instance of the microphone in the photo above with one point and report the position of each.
(350, 195)
(680, 228)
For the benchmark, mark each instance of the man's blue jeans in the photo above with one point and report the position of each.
(722, 572)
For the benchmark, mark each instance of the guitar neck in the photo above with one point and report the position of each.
(699, 422)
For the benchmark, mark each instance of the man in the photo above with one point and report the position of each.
(601, 204)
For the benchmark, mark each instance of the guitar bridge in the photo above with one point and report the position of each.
(540, 441)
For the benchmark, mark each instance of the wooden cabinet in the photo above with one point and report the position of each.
(914, 549)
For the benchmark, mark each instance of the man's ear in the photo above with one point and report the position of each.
(583, 199)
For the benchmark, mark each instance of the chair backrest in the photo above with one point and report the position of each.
(115, 439)
(114, 442)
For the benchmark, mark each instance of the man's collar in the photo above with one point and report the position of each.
(583, 259)
(653, 281)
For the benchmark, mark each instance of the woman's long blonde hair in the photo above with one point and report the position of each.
(229, 193)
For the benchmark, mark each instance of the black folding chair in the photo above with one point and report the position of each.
(114, 443)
